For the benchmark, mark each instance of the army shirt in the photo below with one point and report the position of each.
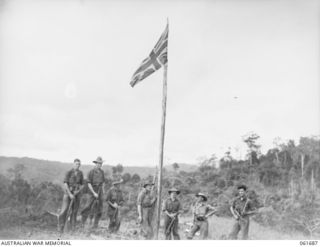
(242, 205)
(73, 178)
(171, 206)
(115, 195)
(145, 199)
(201, 208)
(96, 177)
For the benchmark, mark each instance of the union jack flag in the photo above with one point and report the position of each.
(157, 58)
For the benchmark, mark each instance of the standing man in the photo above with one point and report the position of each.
(241, 209)
(73, 184)
(145, 204)
(172, 208)
(115, 201)
(96, 190)
(201, 211)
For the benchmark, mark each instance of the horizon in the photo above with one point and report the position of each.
(233, 68)
(195, 163)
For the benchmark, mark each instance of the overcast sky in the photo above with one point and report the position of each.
(234, 67)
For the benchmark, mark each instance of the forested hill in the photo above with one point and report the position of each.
(53, 171)
(283, 184)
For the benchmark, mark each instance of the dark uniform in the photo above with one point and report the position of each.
(114, 195)
(94, 205)
(241, 206)
(74, 180)
(146, 200)
(171, 207)
(200, 221)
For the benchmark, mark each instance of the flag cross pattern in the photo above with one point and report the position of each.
(157, 58)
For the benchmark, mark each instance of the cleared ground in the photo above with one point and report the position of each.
(219, 228)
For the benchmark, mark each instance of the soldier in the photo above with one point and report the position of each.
(96, 187)
(145, 205)
(115, 201)
(201, 211)
(172, 208)
(73, 184)
(241, 209)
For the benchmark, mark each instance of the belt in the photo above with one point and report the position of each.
(200, 218)
(74, 186)
(97, 185)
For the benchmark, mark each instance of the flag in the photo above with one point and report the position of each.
(157, 58)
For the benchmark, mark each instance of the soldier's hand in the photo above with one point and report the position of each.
(139, 219)
(71, 196)
(172, 215)
(95, 195)
(236, 217)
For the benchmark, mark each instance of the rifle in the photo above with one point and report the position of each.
(209, 214)
(168, 231)
(115, 214)
(243, 210)
(96, 200)
(68, 215)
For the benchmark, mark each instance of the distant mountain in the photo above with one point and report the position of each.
(45, 170)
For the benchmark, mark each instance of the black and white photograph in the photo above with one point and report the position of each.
(159, 120)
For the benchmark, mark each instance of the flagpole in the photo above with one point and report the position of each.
(163, 123)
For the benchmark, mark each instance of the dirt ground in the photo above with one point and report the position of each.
(129, 230)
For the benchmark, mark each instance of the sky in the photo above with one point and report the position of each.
(234, 67)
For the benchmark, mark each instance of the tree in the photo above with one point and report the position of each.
(212, 161)
(135, 178)
(126, 177)
(226, 161)
(114, 170)
(17, 171)
(119, 168)
(175, 167)
(254, 149)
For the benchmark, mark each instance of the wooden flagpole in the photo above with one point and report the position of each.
(163, 123)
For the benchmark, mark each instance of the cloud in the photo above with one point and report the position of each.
(233, 68)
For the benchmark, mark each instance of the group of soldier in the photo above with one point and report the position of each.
(241, 207)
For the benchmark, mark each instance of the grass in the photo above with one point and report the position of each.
(218, 227)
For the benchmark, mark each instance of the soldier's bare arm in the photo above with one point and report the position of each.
(164, 209)
(92, 190)
(139, 202)
(212, 210)
(115, 204)
(235, 215)
(66, 186)
(193, 209)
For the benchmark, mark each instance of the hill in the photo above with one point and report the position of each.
(45, 170)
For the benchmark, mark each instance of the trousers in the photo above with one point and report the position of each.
(240, 226)
(62, 217)
(201, 226)
(93, 207)
(173, 231)
(114, 220)
(146, 224)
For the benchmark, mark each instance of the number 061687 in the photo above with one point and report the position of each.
(308, 242)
